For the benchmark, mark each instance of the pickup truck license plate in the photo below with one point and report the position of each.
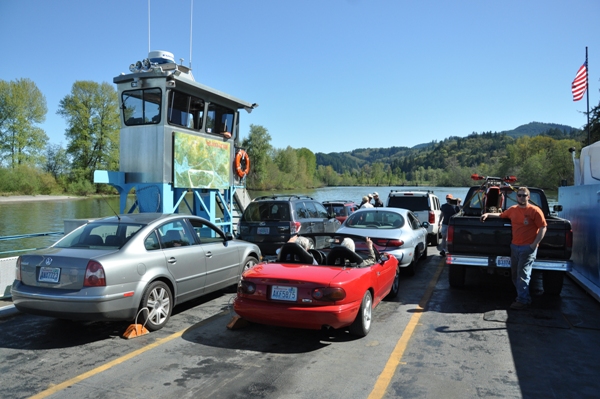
(284, 293)
(49, 274)
(262, 230)
(503, 261)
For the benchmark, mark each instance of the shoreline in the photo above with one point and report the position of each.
(31, 198)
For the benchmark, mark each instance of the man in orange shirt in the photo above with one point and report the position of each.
(528, 228)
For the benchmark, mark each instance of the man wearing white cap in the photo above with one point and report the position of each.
(448, 210)
(377, 202)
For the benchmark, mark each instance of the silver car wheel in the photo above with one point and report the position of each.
(158, 302)
(249, 263)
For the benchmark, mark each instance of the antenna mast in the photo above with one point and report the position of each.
(191, 21)
(148, 26)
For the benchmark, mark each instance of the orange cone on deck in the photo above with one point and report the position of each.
(136, 330)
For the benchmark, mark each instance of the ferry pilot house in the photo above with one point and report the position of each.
(142, 107)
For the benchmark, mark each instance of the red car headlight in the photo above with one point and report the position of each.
(329, 294)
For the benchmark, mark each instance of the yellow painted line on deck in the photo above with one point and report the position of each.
(394, 360)
(57, 388)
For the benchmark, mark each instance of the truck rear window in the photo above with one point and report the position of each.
(414, 204)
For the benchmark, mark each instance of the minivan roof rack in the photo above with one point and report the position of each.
(337, 200)
(282, 197)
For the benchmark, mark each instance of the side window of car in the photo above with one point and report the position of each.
(301, 210)
(151, 242)
(205, 233)
(414, 221)
(174, 234)
(321, 212)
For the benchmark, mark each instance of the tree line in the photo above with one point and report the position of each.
(29, 164)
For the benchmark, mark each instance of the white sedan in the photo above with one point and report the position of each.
(393, 230)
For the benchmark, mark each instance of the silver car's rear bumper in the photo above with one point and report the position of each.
(74, 305)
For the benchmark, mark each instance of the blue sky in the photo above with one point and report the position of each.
(329, 75)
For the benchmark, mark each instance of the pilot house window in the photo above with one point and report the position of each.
(141, 107)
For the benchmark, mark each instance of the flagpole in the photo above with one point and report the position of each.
(587, 93)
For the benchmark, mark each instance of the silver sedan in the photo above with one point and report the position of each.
(128, 266)
(394, 230)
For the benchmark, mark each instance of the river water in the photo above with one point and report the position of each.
(48, 216)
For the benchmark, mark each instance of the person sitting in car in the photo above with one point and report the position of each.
(303, 242)
(349, 243)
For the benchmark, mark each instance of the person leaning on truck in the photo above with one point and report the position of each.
(448, 210)
(528, 228)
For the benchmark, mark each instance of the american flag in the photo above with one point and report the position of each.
(579, 85)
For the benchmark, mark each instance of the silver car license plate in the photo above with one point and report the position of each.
(284, 293)
(49, 274)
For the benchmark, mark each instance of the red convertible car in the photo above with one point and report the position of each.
(340, 291)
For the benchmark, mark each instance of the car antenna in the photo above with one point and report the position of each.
(111, 208)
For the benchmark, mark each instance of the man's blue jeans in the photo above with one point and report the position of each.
(521, 263)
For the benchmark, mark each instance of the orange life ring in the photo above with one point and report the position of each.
(240, 157)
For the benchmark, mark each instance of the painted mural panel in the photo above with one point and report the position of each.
(200, 162)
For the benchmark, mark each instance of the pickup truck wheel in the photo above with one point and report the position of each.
(553, 281)
(456, 276)
(425, 253)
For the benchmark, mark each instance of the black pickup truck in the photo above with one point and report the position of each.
(473, 243)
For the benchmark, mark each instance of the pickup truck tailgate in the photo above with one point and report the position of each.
(468, 235)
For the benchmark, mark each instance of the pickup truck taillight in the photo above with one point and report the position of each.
(431, 217)
(569, 239)
(295, 227)
(450, 235)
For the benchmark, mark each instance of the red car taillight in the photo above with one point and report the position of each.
(18, 269)
(431, 217)
(246, 287)
(450, 235)
(94, 275)
(295, 227)
(329, 294)
(569, 239)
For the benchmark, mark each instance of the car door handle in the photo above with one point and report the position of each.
(209, 254)
(172, 260)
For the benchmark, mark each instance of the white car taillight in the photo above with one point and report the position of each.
(18, 269)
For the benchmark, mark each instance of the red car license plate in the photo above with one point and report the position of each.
(284, 293)
(503, 261)
(49, 274)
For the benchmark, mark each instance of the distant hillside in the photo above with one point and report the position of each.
(473, 149)
(536, 128)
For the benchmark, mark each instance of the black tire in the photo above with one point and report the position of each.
(456, 276)
(362, 324)
(158, 301)
(395, 285)
(433, 239)
(553, 281)
(412, 267)
(425, 253)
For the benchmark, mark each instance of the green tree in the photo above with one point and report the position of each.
(258, 146)
(57, 160)
(92, 114)
(22, 106)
